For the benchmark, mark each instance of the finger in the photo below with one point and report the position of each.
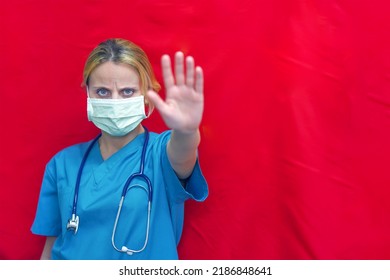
(179, 68)
(167, 71)
(199, 80)
(157, 101)
(190, 71)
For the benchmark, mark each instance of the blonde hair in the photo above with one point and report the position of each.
(126, 52)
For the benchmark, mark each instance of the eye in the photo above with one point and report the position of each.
(102, 92)
(127, 92)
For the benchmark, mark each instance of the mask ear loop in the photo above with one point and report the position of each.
(149, 107)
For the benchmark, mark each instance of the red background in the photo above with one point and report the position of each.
(295, 134)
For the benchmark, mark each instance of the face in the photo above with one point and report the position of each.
(113, 81)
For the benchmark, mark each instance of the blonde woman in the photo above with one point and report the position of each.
(121, 195)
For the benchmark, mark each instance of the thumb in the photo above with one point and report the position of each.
(156, 100)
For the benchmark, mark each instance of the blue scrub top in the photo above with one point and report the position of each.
(100, 190)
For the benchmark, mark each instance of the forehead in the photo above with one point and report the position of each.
(109, 72)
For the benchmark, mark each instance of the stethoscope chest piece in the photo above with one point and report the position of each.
(73, 223)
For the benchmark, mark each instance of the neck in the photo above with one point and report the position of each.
(109, 145)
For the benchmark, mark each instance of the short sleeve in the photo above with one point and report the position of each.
(47, 220)
(196, 186)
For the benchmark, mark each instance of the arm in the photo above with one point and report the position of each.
(182, 111)
(182, 152)
(46, 253)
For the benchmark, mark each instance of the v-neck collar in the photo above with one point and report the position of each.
(105, 166)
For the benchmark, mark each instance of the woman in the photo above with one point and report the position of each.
(83, 184)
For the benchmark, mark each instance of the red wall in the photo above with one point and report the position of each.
(295, 134)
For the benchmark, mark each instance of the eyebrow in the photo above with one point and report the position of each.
(109, 88)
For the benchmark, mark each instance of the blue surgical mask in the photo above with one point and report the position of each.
(117, 117)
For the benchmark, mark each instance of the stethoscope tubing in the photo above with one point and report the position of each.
(141, 171)
(74, 221)
(82, 164)
(139, 174)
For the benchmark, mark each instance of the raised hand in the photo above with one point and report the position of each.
(182, 109)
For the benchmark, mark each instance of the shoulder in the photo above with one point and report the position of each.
(69, 154)
(158, 142)
(73, 150)
(159, 139)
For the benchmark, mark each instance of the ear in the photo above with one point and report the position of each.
(149, 107)
(87, 90)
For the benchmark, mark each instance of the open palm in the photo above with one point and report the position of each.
(183, 106)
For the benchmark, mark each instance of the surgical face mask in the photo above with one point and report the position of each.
(117, 117)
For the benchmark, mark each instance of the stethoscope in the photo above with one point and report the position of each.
(73, 223)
